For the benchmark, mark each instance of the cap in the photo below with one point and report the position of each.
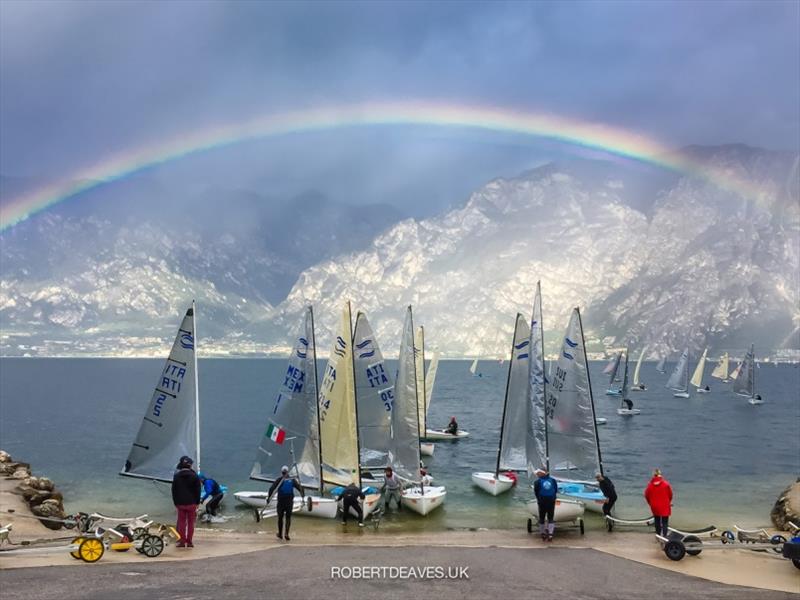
(284, 469)
(540, 471)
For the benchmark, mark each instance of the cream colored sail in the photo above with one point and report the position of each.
(430, 379)
(638, 368)
(697, 378)
(721, 370)
(422, 397)
(337, 410)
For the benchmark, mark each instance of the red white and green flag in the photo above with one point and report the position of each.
(276, 434)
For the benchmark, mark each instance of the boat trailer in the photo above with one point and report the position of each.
(678, 544)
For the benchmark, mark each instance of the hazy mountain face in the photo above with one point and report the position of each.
(649, 257)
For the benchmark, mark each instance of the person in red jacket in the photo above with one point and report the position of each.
(659, 496)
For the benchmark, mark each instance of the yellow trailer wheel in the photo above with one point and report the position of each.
(91, 550)
(76, 553)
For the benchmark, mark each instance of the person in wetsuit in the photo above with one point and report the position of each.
(350, 497)
(285, 486)
(607, 487)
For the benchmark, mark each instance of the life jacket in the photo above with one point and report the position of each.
(286, 487)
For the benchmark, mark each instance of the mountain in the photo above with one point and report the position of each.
(650, 256)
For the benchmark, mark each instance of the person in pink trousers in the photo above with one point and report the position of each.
(186, 496)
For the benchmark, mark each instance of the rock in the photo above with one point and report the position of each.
(50, 509)
(787, 507)
(5, 457)
(46, 484)
(21, 474)
(9, 468)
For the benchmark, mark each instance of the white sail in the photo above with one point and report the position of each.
(293, 424)
(735, 373)
(636, 381)
(422, 395)
(721, 370)
(661, 366)
(404, 448)
(170, 428)
(677, 381)
(697, 377)
(337, 410)
(612, 365)
(374, 396)
(473, 368)
(536, 423)
(430, 379)
(571, 427)
(511, 453)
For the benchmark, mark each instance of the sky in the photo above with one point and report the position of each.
(80, 81)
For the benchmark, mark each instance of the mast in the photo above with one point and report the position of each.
(355, 400)
(424, 426)
(591, 396)
(624, 389)
(316, 403)
(196, 390)
(544, 377)
(753, 369)
(505, 399)
(416, 396)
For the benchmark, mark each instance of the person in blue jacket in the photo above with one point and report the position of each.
(285, 486)
(211, 494)
(546, 490)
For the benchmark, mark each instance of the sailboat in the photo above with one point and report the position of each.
(562, 432)
(638, 386)
(678, 382)
(661, 366)
(721, 370)
(171, 424)
(745, 383)
(626, 405)
(404, 455)
(338, 415)
(611, 369)
(424, 385)
(294, 424)
(511, 448)
(735, 373)
(473, 368)
(697, 377)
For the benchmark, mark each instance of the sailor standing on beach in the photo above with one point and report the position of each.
(658, 494)
(286, 486)
(185, 497)
(391, 488)
(546, 489)
(607, 487)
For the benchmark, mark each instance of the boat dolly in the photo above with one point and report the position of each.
(678, 544)
(612, 522)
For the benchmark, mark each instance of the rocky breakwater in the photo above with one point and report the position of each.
(39, 493)
(787, 507)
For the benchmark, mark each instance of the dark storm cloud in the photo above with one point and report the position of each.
(81, 80)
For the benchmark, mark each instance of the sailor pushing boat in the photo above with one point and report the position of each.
(546, 490)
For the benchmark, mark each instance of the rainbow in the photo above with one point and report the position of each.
(501, 120)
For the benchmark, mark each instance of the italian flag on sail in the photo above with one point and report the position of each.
(276, 434)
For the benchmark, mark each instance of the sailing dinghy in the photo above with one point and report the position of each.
(697, 376)
(745, 383)
(626, 404)
(404, 455)
(662, 364)
(171, 425)
(721, 370)
(638, 386)
(473, 369)
(511, 448)
(293, 425)
(612, 368)
(679, 380)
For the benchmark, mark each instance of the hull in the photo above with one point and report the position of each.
(313, 506)
(681, 394)
(628, 412)
(591, 497)
(441, 434)
(600, 421)
(426, 448)
(755, 401)
(421, 503)
(491, 483)
(372, 498)
(638, 389)
(702, 391)
(613, 392)
(567, 511)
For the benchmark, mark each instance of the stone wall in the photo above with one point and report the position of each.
(40, 494)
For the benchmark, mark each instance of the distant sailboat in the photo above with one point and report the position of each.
(626, 404)
(612, 368)
(638, 386)
(735, 373)
(721, 370)
(473, 368)
(661, 366)
(697, 377)
(679, 380)
(745, 383)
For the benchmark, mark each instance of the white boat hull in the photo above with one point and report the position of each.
(323, 508)
(755, 401)
(638, 389)
(566, 511)
(426, 448)
(628, 412)
(423, 503)
(491, 483)
(441, 434)
(681, 394)
(600, 421)
(368, 505)
(613, 392)
(702, 391)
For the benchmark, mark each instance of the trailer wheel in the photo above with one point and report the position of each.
(580, 524)
(778, 541)
(139, 532)
(727, 537)
(91, 550)
(609, 525)
(530, 526)
(796, 562)
(152, 546)
(309, 504)
(674, 550)
(693, 539)
(76, 554)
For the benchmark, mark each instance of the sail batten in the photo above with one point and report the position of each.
(512, 448)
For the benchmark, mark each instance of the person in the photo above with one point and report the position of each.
(391, 488)
(452, 427)
(285, 485)
(185, 497)
(425, 479)
(545, 489)
(607, 487)
(708, 389)
(628, 403)
(658, 494)
(211, 495)
(350, 497)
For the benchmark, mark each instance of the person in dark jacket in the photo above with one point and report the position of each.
(211, 495)
(607, 487)
(349, 497)
(452, 426)
(285, 486)
(185, 497)
(546, 490)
